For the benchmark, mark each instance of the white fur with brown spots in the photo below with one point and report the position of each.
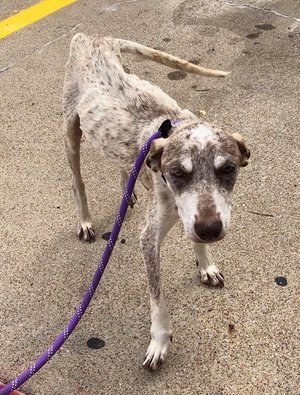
(117, 112)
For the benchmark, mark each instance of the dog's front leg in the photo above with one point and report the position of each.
(161, 217)
(209, 272)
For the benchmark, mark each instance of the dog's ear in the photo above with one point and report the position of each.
(154, 157)
(245, 152)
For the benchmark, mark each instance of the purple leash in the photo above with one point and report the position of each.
(60, 340)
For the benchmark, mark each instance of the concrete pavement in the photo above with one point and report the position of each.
(243, 339)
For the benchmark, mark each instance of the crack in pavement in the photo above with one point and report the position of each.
(58, 38)
(261, 9)
(114, 7)
(37, 50)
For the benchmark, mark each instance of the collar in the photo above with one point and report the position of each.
(164, 130)
(166, 126)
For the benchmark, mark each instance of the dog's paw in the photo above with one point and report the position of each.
(86, 232)
(211, 276)
(157, 352)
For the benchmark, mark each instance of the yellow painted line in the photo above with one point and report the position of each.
(31, 15)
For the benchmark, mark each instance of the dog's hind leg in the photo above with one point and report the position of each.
(160, 219)
(124, 181)
(73, 135)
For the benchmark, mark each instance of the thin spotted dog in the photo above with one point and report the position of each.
(190, 175)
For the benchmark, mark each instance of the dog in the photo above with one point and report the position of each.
(190, 174)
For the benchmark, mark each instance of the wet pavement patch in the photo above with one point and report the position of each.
(265, 26)
(95, 343)
(253, 35)
(106, 236)
(281, 281)
(177, 75)
(231, 328)
(194, 61)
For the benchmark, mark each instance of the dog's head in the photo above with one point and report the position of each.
(200, 165)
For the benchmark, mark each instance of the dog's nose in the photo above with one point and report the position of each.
(208, 231)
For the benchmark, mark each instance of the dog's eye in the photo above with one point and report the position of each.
(228, 169)
(177, 172)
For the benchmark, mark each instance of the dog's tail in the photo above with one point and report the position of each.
(166, 59)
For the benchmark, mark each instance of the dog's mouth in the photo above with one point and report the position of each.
(206, 240)
(196, 240)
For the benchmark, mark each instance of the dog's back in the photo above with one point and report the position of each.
(96, 86)
(90, 60)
